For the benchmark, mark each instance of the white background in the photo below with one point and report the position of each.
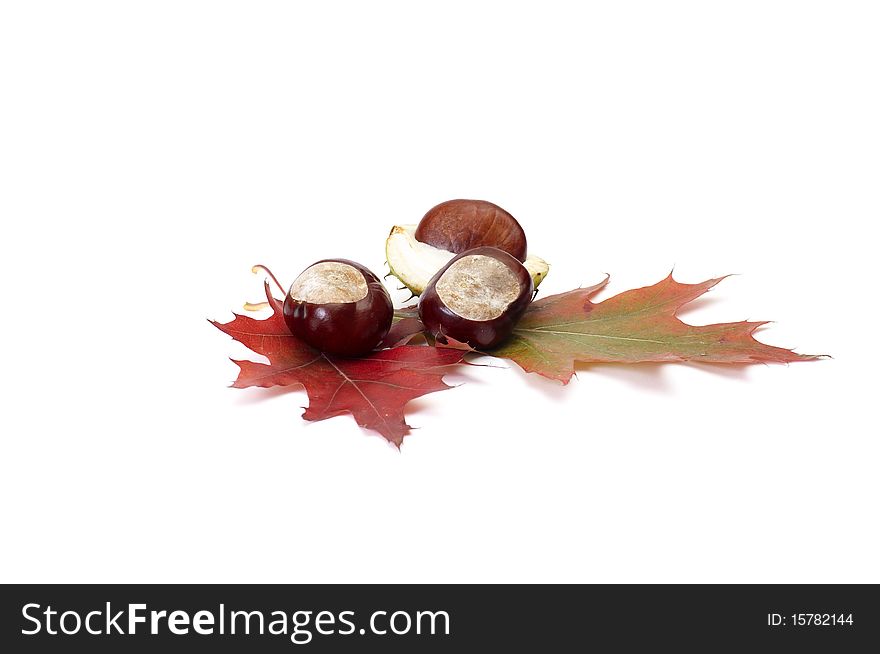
(150, 153)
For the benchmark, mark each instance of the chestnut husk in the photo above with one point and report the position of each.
(347, 329)
(443, 322)
(461, 225)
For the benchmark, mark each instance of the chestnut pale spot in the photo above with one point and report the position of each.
(478, 287)
(329, 282)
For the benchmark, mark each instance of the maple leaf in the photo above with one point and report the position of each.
(404, 325)
(633, 327)
(374, 389)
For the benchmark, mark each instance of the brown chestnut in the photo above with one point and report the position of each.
(461, 225)
(339, 307)
(477, 298)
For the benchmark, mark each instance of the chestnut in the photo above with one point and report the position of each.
(416, 252)
(461, 225)
(477, 298)
(339, 307)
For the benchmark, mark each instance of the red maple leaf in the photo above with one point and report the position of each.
(404, 326)
(374, 389)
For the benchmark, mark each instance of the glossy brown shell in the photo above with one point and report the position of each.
(343, 328)
(443, 322)
(461, 225)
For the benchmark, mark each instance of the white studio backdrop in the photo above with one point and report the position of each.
(150, 153)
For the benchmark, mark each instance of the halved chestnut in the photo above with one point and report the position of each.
(477, 298)
(461, 225)
(339, 307)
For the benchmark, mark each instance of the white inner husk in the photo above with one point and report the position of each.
(414, 263)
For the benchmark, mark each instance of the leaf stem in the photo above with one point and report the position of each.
(257, 268)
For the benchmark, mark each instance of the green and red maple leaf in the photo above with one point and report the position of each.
(635, 326)
(555, 333)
